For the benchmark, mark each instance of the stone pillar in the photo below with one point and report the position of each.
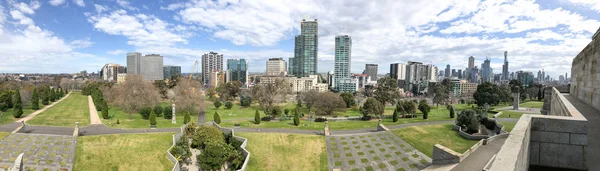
(173, 119)
(516, 101)
(201, 117)
(326, 131)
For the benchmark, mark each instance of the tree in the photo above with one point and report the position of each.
(187, 118)
(205, 135)
(145, 112)
(162, 87)
(17, 105)
(328, 102)
(268, 94)
(214, 156)
(217, 104)
(167, 112)
(56, 94)
(296, 117)
(395, 115)
(441, 94)
(256, 117)
(188, 96)
(309, 98)
(230, 90)
(51, 95)
(135, 93)
(387, 90)
(486, 93)
(217, 118)
(228, 105)
(452, 111)
(504, 93)
(105, 110)
(245, 100)
(468, 120)
(35, 99)
(373, 106)
(424, 108)
(348, 99)
(400, 108)
(45, 96)
(158, 110)
(7, 98)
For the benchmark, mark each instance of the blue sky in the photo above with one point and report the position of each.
(72, 35)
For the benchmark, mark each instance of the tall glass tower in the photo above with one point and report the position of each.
(343, 45)
(238, 70)
(305, 49)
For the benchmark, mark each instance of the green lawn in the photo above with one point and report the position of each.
(423, 138)
(270, 151)
(508, 126)
(7, 117)
(510, 114)
(135, 120)
(123, 152)
(532, 104)
(66, 113)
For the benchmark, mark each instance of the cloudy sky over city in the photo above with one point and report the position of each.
(71, 35)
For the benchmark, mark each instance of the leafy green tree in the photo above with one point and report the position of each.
(61, 92)
(276, 111)
(105, 110)
(45, 96)
(145, 112)
(424, 108)
(158, 110)
(228, 105)
(56, 95)
(214, 156)
(152, 118)
(187, 118)
(296, 117)
(17, 105)
(468, 120)
(395, 115)
(441, 94)
(6, 97)
(286, 111)
(217, 118)
(348, 99)
(387, 90)
(373, 106)
(486, 93)
(218, 104)
(51, 95)
(256, 117)
(452, 111)
(35, 99)
(245, 100)
(205, 135)
(400, 107)
(167, 112)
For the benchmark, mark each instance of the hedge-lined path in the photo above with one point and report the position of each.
(94, 118)
(30, 116)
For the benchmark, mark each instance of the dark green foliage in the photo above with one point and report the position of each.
(35, 99)
(286, 111)
(152, 118)
(320, 119)
(168, 112)
(468, 120)
(217, 118)
(245, 100)
(452, 112)
(348, 99)
(214, 156)
(105, 110)
(487, 93)
(372, 106)
(17, 105)
(44, 94)
(424, 108)
(181, 150)
(228, 105)
(56, 94)
(187, 118)
(276, 111)
(51, 95)
(3, 107)
(540, 93)
(395, 115)
(296, 118)
(6, 97)
(118, 122)
(489, 123)
(158, 110)
(387, 90)
(145, 112)
(218, 104)
(256, 117)
(205, 135)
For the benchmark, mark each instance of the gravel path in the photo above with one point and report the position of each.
(94, 118)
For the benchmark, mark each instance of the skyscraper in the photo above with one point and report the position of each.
(343, 58)
(133, 63)
(305, 49)
(237, 70)
(170, 71)
(151, 67)
(539, 76)
(505, 67)
(276, 67)
(487, 74)
(371, 71)
(471, 62)
(447, 73)
(459, 74)
(398, 71)
(291, 66)
(454, 74)
(470, 74)
(211, 61)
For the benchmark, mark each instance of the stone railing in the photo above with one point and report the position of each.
(244, 141)
(467, 135)
(176, 137)
(443, 155)
(556, 140)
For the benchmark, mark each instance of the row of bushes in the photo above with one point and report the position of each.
(166, 112)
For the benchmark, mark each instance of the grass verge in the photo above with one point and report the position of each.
(532, 104)
(508, 126)
(66, 113)
(423, 138)
(123, 152)
(270, 151)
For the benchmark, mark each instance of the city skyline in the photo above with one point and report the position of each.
(93, 34)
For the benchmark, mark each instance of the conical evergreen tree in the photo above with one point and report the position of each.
(35, 99)
(17, 105)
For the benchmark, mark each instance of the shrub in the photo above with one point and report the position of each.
(190, 129)
(276, 111)
(452, 112)
(158, 110)
(245, 101)
(296, 118)
(118, 122)
(395, 116)
(425, 114)
(228, 105)
(286, 111)
(489, 123)
(366, 118)
(266, 118)
(105, 110)
(320, 119)
(167, 112)
(3, 107)
(218, 104)
(187, 118)
(17, 105)
(256, 117)
(152, 118)
(205, 135)
(145, 112)
(214, 156)
(468, 120)
(217, 118)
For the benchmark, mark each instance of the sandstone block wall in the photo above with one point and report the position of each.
(585, 74)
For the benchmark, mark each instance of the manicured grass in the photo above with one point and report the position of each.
(7, 117)
(510, 114)
(423, 138)
(532, 104)
(508, 126)
(4, 135)
(271, 151)
(123, 152)
(66, 113)
(135, 120)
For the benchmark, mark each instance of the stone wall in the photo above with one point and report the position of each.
(585, 74)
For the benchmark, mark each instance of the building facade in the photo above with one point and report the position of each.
(170, 72)
(398, 71)
(303, 84)
(505, 67)
(347, 85)
(152, 67)
(305, 49)
(276, 67)
(487, 74)
(448, 72)
(343, 63)
(237, 70)
(211, 61)
(467, 89)
(291, 67)
(134, 60)
(371, 70)
(109, 72)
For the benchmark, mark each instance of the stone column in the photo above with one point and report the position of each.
(173, 119)
(516, 101)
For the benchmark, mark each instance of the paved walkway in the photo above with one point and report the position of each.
(30, 116)
(477, 160)
(51, 130)
(99, 129)
(94, 118)
(593, 116)
(9, 127)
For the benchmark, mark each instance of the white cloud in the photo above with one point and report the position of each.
(57, 2)
(79, 3)
(116, 52)
(127, 5)
(545, 35)
(82, 43)
(100, 8)
(592, 4)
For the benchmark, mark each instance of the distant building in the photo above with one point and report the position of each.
(216, 78)
(371, 70)
(150, 67)
(109, 72)
(134, 63)
(347, 85)
(505, 75)
(305, 49)
(121, 77)
(526, 78)
(303, 84)
(398, 71)
(211, 62)
(237, 70)
(487, 74)
(448, 72)
(467, 89)
(419, 74)
(343, 63)
(291, 67)
(276, 67)
(170, 72)
(459, 74)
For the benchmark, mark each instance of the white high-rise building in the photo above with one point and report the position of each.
(343, 63)
(276, 67)
(211, 62)
(150, 67)
(133, 63)
(398, 71)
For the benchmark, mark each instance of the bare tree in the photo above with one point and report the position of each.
(135, 93)
(309, 98)
(329, 102)
(268, 94)
(187, 96)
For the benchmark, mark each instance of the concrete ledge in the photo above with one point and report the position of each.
(381, 127)
(497, 114)
(443, 155)
(19, 127)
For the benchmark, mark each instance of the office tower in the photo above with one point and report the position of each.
(454, 74)
(330, 80)
(505, 67)
(291, 66)
(170, 72)
(371, 71)
(133, 63)
(211, 61)
(447, 72)
(418, 73)
(459, 74)
(471, 62)
(398, 71)
(237, 70)
(151, 67)
(109, 72)
(305, 49)
(343, 58)
(276, 67)
(487, 74)
(539, 76)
